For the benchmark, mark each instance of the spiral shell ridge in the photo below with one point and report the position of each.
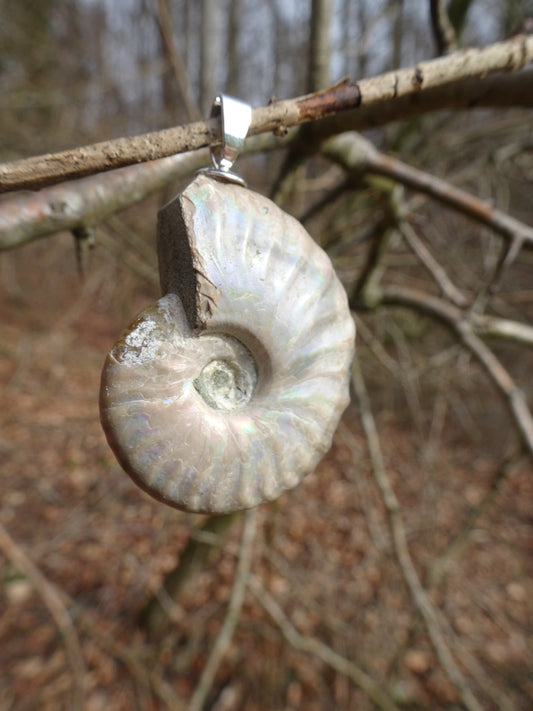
(228, 391)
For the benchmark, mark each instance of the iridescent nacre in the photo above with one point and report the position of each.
(228, 390)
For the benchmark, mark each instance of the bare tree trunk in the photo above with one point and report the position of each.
(362, 53)
(443, 31)
(319, 60)
(208, 53)
(232, 82)
(277, 45)
(457, 12)
(346, 27)
(397, 33)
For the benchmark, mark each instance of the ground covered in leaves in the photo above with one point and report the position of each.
(323, 553)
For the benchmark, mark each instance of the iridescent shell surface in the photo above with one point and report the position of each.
(228, 390)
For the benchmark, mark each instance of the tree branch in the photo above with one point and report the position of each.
(223, 639)
(497, 91)
(311, 645)
(462, 201)
(88, 201)
(354, 152)
(139, 266)
(492, 326)
(436, 270)
(463, 537)
(410, 84)
(465, 327)
(52, 599)
(399, 539)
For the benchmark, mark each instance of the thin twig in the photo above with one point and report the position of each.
(378, 535)
(367, 289)
(509, 253)
(136, 659)
(179, 69)
(313, 646)
(137, 265)
(461, 539)
(465, 327)
(225, 635)
(432, 265)
(399, 539)
(52, 599)
(277, 117)
(376, 346)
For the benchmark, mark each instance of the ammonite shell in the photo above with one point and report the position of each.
(228, 390)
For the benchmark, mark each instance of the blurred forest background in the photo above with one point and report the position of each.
(399, 574)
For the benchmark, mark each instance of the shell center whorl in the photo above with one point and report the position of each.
(228, 383)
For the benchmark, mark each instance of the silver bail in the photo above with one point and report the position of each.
(235, 119)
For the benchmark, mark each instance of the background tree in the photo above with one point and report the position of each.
(398, 575)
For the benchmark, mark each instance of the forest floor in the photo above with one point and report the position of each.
(323, 551)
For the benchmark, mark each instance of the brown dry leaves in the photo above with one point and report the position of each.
(323, 551)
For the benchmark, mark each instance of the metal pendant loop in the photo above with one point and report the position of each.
(235, 118)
